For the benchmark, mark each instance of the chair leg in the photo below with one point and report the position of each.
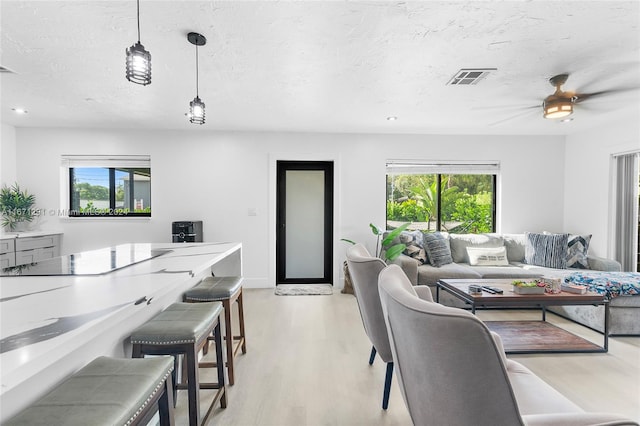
(373, 355)
(387, 386)
(193, 387)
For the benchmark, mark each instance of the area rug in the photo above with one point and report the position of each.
(521, 337)
(304, 290)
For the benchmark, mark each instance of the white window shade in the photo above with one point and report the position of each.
(116, 161)
(412, 167)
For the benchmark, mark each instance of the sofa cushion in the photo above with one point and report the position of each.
(414, 243)
(487, 256)
(510, 271)
(429, 275)
(460, 242)
(577, 247)
(515, 244)
(437, 247)
(548, 250)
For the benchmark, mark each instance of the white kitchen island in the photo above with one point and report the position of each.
(54, 324)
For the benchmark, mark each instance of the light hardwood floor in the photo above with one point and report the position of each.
(307, 365)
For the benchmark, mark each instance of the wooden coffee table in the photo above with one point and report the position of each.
(528, 336)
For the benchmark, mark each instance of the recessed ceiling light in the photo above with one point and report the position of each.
(566, 120)
(19, 110)
(392, 118)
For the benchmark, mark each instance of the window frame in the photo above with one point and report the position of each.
(445, 168)
(112, 164)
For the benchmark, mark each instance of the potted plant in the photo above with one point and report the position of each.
(16, 206)
(391, 251)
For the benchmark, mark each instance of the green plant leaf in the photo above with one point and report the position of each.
(393, 234)
(394, 251)
(348, 241)
(374, 229)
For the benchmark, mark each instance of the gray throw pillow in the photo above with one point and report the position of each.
(437, 247)
(548, 250)
(577, 247)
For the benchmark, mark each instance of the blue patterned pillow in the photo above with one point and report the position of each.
(437, 247)
(577, 247)
(548, 250)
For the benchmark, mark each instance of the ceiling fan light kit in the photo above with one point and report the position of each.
(196, 107)
(138, 59)
(560, 104)
(557, 108)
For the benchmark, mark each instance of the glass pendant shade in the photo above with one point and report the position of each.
(196, 111)
(138, 65)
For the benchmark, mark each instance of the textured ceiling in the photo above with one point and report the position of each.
(325, 66)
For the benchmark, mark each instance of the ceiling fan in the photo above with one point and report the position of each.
(560, 104)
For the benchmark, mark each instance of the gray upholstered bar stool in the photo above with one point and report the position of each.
(109, 391)
(183, 329)
(226, 290)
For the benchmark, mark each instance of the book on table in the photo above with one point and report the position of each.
(574, 288)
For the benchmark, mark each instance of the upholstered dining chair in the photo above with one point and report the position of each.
(364, 270)
(452, 370)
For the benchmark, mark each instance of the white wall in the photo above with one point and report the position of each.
(588, 174)
(217, 177)
(7, 155)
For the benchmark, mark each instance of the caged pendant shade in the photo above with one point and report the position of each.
(196, 106)
(138, 60)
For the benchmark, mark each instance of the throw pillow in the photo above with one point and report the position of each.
(413, 241)
(577, 247)
(548, 250)
(437, 247)
(460, 242)
(487, 256)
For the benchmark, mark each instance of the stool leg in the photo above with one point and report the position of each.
(228, 338)
(241, 321)
(193, 385)
(166, 403)
(220, 365)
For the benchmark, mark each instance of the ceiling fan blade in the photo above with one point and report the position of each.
(510, 107)
(528, 111)
(581, 97)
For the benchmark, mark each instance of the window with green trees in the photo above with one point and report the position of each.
(452, 197)
(108, 186)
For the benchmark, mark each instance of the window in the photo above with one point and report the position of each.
(453, 197)
(108, 186)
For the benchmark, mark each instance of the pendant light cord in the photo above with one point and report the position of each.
(138, 15)
(197, 94)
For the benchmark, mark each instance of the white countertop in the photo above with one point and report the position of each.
(53, 325)
(13, 235)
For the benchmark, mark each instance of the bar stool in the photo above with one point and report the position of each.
(226, 290)
(109, 391)
(183, 329)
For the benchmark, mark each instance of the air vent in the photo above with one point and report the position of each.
(5, 70)
(470, 76)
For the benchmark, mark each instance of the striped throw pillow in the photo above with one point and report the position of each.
(548, 250)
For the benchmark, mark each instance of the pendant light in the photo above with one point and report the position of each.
(196, 106)
(138, 60)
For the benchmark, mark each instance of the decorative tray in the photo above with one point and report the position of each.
(532, 287)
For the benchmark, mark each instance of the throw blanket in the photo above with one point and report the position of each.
(611, 284)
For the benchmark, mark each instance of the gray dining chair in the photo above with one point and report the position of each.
(364, 270)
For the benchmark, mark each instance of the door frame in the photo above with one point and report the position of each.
(282, 166)
(272, 219)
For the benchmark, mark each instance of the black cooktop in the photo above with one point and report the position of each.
(94, 262)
